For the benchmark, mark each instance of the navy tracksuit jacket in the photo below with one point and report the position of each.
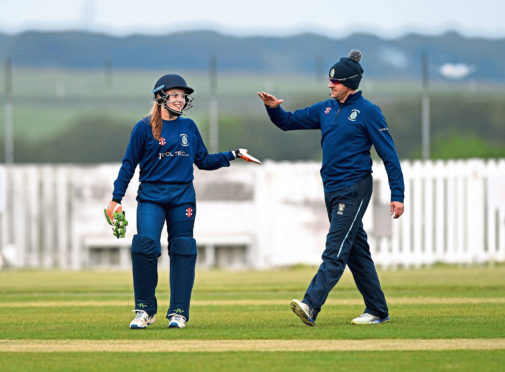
(348, 131)
(165, 194)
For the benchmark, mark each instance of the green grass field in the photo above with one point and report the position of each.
(442, 318)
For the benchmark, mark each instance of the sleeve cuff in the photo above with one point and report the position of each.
(272, 109)
(230, 156)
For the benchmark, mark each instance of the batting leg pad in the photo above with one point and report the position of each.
(146, 245)
(182, 275)
(145, 252)
(183, 246)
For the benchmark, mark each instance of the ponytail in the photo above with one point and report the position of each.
(155, 121)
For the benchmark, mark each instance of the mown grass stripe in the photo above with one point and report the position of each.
(248, 345)
(349, 301)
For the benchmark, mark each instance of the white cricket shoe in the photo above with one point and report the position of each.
(303, 311)
(177, 321)
(141, 320)
(366, 318)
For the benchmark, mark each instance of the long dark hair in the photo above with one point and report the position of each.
(155, 121)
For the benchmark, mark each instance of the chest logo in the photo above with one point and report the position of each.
(327, 110)
(184, 140)
(162, 141)
(353, 115)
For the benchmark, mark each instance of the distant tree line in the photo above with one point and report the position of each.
(460, 128)
(303, 53)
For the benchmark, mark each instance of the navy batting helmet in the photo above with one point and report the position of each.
(172, 81)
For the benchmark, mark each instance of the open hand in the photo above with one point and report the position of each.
(270, 100)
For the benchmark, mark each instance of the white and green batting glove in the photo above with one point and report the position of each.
(115, 216)
(120, 223)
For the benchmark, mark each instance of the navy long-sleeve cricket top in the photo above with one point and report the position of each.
(348, 131)
(169, 160)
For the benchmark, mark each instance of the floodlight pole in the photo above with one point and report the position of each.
(425, 110)
(9, 135)
(213, 106)
(107, 69)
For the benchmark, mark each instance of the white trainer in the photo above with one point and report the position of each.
(141, 320)
(177, 321)
(303, 311)
(366, 318)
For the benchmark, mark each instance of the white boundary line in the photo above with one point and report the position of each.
(171, 346)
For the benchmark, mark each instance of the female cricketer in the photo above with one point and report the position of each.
(165, 146)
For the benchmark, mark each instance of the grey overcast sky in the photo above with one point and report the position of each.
(388, 18)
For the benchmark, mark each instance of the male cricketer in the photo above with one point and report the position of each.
(350, 125)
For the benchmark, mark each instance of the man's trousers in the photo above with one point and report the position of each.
(346, 244)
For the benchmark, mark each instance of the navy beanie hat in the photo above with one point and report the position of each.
(348, 70)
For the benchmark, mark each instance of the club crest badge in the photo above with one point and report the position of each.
(162, 141)
(332, 72)
(353, 115)
(184, 140)
(341, 208)
(327, 110)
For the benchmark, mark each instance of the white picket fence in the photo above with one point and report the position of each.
(256, 216)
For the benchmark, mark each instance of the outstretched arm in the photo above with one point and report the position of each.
(307, 118)
(204, 160)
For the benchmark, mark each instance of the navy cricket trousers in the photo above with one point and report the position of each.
(175, 205)
(346, 244)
